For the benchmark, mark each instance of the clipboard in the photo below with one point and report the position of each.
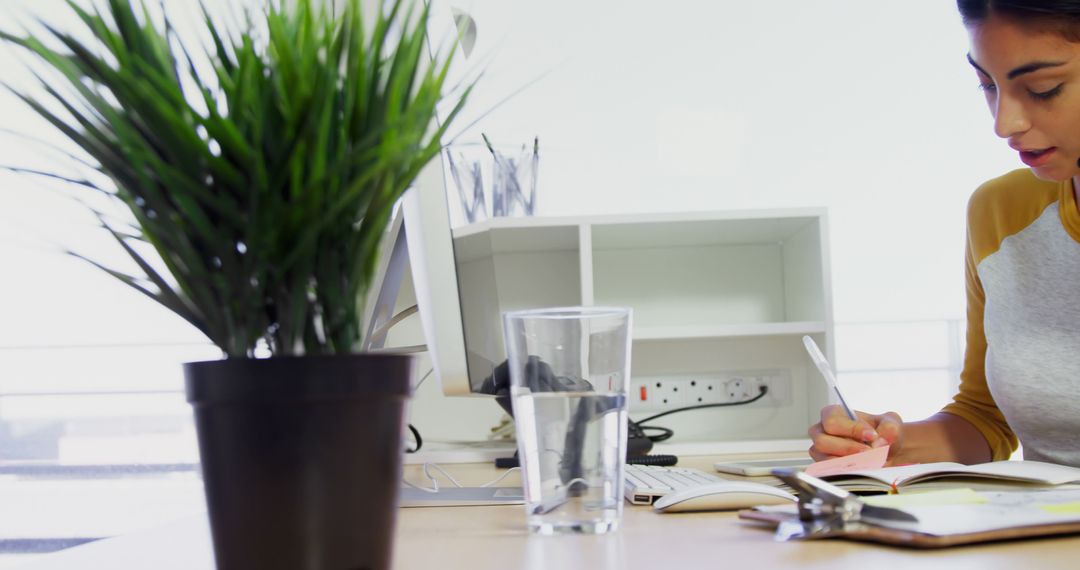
(826, 511)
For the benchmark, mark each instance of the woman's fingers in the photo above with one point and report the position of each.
(835, 422)
(832, 445)
(838, 435)
(890, 426)
(891, 429)
(818, 456)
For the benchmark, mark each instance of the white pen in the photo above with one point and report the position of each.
(826, 371)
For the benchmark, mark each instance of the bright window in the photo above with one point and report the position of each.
(696, 105)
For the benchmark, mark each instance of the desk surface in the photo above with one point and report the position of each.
(482, 538)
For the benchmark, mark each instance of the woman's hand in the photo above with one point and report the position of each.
(837, 435)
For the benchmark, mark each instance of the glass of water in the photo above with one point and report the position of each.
(569, 378)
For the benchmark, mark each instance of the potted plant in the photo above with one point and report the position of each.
(257, 176)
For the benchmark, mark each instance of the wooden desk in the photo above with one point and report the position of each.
(494, 538)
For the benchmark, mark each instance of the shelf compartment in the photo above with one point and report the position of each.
(719, 272)
(798, 328)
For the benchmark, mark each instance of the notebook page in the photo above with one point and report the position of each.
(1025, 471)
(1034, 471)
(899, 474)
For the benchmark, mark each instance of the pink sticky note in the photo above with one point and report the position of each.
(872, 459)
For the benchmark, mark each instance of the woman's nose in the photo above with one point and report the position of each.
(1010, 118)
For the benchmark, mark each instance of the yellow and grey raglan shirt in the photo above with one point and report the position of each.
(1021, 376)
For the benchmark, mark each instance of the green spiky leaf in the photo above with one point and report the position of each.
(261, 168)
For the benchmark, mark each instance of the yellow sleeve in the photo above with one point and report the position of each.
(974, 402)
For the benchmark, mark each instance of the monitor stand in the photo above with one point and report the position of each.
(462, 496)
(443, 452)
(394, 262)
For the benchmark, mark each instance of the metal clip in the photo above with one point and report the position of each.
(826, 510)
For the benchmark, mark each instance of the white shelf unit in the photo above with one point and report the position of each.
(711, 293)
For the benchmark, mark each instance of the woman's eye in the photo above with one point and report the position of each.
(987, 87)
(1048, 94)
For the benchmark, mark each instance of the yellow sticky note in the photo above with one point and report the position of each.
(927, 499)
(1063, 508)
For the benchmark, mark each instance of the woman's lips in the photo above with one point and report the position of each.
(1035, 158)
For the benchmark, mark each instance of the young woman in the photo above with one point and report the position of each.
(1021, 377)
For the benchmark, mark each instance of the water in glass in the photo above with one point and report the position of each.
(574, 445)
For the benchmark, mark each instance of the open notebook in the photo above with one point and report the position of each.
(932, 476)
(941, 520)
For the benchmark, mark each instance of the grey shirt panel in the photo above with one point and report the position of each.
(1032, 325)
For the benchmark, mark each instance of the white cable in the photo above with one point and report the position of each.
(501, 477)
(435, 482)
(570, 483)
(501, 432)
(385, 328)
(422, 378)
(424, 489)
(427, 472)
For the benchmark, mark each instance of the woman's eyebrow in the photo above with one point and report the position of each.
(1022, 70)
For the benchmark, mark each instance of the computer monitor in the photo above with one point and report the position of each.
(420, 242)
(430, 245)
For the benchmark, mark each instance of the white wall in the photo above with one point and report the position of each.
(69, 332)
(868, 108)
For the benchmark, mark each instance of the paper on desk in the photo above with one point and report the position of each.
(872, 459)
(927, 499)
(1002, 511)
(1063, 508)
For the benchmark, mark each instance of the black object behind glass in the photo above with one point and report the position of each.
(540, 378)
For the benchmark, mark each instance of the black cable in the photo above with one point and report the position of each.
(665, 433)
(764, 389)
(416, 436)
(658, 460)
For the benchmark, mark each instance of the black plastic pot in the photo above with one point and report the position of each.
(301, 458)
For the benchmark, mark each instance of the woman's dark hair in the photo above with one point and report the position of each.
(1060, 15)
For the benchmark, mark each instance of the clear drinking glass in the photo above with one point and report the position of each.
(569, 378)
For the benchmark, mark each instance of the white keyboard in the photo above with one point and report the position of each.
(646, 483)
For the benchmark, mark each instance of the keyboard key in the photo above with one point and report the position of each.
(644, 483)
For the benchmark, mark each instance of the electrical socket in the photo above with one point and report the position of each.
(662, 392)
(658, 393)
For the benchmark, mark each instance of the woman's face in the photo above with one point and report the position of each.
(1031, 78)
